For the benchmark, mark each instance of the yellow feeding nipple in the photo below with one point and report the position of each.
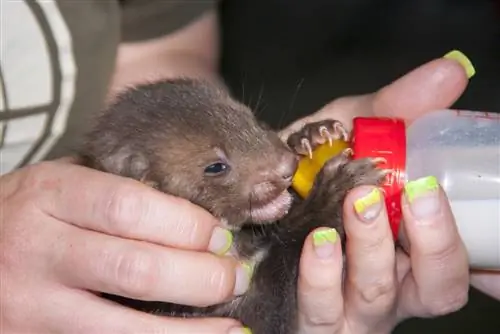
(308, 168)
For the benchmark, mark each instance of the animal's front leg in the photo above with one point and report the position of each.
(336, 179)
(271, 307)
(311, 135)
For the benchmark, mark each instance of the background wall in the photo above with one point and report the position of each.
(321, 49)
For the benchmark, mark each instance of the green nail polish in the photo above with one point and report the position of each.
(463, 60)
(240, 330)
(246, 330)
(369, 206)
(249, 268)
(221, 241)
(420, 187)
(229, 242)
(322, 237)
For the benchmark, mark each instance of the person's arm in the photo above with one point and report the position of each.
(191, 51)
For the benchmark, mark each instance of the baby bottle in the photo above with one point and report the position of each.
(461, 149)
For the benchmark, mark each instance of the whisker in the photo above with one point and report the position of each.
(292, 102)
(259, 99)
(243, 89)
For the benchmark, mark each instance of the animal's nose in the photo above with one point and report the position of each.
(287, 166)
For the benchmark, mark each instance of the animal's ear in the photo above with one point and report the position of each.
(129, 163)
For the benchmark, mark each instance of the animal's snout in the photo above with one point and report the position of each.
(287, 166)
(275, 177)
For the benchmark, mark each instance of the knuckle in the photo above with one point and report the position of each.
(442, 253)
(123, 210)
(20, 222)
(316, 320)
(449, 298)
(381, 291)
(375, 244)
(440, 249)
(321, 314)
(444, 306)
(190, 226)
(20, 205)
(136, 273)
(186, 222)
(38, 175)
(35, 181)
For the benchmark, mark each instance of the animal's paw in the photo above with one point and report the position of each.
(313, 134)
(340, 174)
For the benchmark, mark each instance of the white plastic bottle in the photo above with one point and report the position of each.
(462, 150)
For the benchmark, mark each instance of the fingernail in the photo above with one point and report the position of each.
(422, 194)
(243, 277)
(324, 241)
(221, 241)
(241, 330)
(463, 60)
(369, 206)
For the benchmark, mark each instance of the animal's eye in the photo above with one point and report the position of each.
(216, 168)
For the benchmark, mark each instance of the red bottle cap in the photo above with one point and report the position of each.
(384, 138)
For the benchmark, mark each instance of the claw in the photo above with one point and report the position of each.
(379, 160)
(385, 172)
(307, 146)
(339, 128)
(348, 152)
(325, 133)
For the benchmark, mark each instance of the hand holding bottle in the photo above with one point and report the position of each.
(434, 278)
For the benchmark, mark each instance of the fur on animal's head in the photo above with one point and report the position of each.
(190, 139)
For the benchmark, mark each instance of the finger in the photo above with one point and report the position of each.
(68, 160)
(371, 281)
(403, 264)
(488, 282)
(98, 262)
(82, 312)
(432, 86)
(320, 283)
(440, 271)
(125, 208)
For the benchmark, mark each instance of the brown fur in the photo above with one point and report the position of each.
(166, 134)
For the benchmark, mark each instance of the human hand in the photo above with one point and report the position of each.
(383, 285)
(67, 231)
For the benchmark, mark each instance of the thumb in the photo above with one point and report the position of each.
(435, 85)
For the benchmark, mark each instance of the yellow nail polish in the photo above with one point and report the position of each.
(229, 243)
(414, 189)
(463, 60)
(365, 202)
(240, 330)
(246, 330)
(322, 237)
(249, 268)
